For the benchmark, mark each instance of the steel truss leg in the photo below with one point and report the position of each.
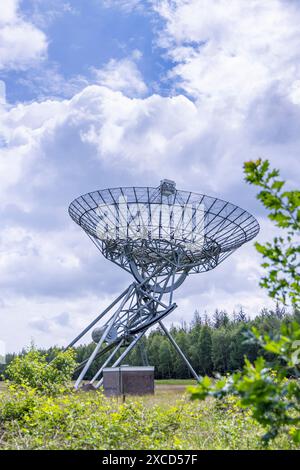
(98, 318)
(179, 350)
(99, 344)
(136, 310)
(107, 361)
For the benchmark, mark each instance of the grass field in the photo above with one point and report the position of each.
(167, 420)
(185, 382)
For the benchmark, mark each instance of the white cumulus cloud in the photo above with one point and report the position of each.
(228, 53)
(122, 75)
(21, 43)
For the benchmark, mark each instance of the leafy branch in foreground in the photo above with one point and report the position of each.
(283, 253)
(271, 390)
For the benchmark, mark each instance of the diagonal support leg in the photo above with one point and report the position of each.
(124, 354)
(102, 314)
(179, 350)
(99, 344)
(116, 349)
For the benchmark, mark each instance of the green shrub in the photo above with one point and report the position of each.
(32, 371)
(271, 390)
(80, 420)
(282, 254)
(90, 421)
(17, 404)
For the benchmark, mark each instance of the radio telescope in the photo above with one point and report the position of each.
(160, 236)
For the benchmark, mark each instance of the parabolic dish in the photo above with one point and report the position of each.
(139, 228)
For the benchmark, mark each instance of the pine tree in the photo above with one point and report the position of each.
(205, 350)
(165, 359)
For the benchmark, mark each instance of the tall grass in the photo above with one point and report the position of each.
(167, 420)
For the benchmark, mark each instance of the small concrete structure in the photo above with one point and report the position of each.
(128, 380)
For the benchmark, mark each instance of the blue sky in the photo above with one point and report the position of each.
(86, 35)
(104, 93)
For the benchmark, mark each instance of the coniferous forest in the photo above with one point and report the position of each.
(216, 343)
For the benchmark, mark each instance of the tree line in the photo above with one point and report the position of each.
(213, 344)
(216, 344)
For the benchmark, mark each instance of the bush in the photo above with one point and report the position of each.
(282, 255)
(17, 404)
(271, 390)
(80, 420)
(33, 371)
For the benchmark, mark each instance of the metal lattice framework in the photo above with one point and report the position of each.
(159, 235)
